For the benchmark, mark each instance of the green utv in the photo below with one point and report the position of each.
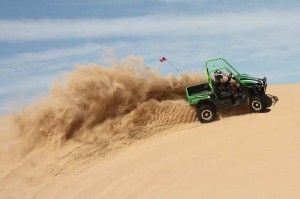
(226, 87)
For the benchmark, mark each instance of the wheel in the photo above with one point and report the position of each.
(206, 113)
(257, 104)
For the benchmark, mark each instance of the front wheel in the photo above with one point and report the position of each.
(257, 104)
(206, 113)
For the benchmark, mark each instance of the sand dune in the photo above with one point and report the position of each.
(148, 147)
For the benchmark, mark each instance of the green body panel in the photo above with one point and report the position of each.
(193, 100)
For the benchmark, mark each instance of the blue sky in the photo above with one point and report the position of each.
(41, 39)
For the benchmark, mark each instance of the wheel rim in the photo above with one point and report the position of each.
(206, 114)
(256, 105)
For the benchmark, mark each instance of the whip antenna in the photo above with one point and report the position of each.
(164, 59)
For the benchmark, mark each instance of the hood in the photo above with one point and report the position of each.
(248, 79)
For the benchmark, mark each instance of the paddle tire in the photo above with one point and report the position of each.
(257, 104)
(206, 113)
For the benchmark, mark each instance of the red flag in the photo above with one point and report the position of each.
(162, 59)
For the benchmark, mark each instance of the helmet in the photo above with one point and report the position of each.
(218, 74)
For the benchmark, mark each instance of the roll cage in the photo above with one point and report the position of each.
(218, 64)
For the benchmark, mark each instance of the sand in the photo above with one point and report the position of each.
(243, 155)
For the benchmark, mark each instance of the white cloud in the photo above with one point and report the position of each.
(59, 53)
(162, 25)
(50, 59)
(186, 52)
(245, 36)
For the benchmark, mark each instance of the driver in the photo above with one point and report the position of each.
(219, 76)
(222, 86)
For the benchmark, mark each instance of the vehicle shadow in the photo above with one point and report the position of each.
(270, 100)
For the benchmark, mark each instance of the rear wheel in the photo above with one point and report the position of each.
(206, 113)
(257, 104)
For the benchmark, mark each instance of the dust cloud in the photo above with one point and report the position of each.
(100, 105)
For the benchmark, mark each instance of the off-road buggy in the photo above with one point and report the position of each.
(235, 90)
